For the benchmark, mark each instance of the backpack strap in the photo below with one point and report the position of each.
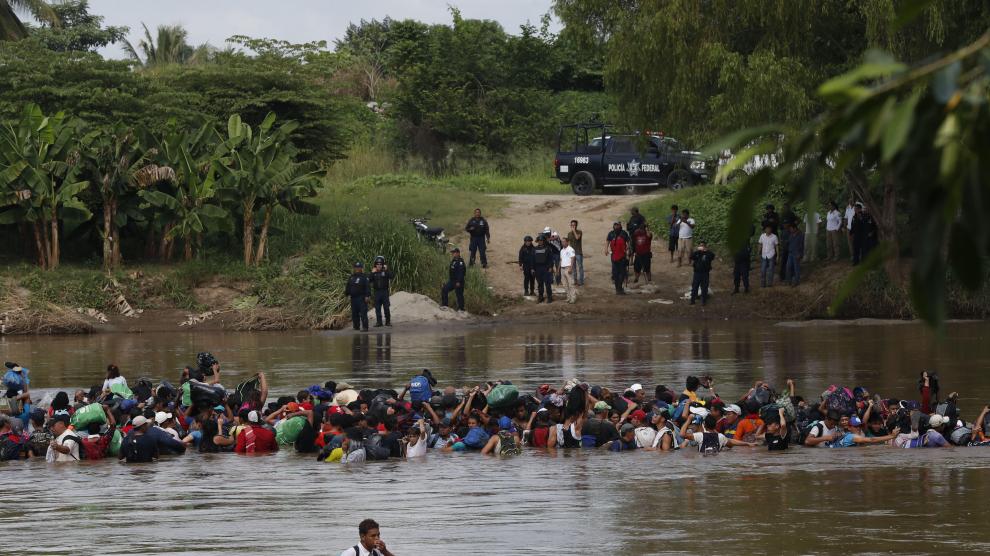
(357, 552)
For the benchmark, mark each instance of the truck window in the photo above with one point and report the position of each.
(621, 145)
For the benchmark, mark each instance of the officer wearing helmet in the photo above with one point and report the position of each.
(381, 277)
(527, 266)
(359, 291)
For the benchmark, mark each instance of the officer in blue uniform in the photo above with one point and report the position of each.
(381, 278)
(455, 280)
(359, 290)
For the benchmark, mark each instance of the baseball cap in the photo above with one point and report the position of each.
(253, 417)
(219, 407)
(292, 407)
(455, 250)
(856, 422)
(636, 387)
(935, 420)
(638, 414)
(699, 411)
(504, 423)
(162, 416)
(359, 264)
(627, 428)
(602, 406)
(733, 408)
(61, 417)
(139, 421)
(445, 422)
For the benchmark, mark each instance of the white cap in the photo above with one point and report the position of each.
(162, 416)
(139, 421)
(636, 387)
(936, 421)
(253, 417)
(733, 408)
(547, 230)
(699, 411)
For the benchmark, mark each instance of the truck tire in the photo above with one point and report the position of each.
(679, 179)
(583, 183)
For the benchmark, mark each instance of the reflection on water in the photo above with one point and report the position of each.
(578, 502)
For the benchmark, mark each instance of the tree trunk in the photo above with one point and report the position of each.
(39, 244)
(107, 235)
(46, 244)
(151, 243)
(887, 229)
(53, 260)
(187, 252)
(166, 247)
(263, 238)
(248, 235)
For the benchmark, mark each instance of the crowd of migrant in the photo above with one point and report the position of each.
(334, 421)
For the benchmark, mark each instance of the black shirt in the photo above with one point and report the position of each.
(526, 255)
(358, 285)
(702, 261)
(381, 279)
(477, 227)
(777, 442)
(139, 448)
(391, 441)
(457, 270)
(635, 223)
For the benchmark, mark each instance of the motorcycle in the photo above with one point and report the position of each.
(429, 234)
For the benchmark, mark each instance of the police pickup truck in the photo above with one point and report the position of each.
(590, 158)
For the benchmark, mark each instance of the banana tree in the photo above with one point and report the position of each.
(120, 164)
(255, 166)
(286, 185)
(40, 177)
(184, 201)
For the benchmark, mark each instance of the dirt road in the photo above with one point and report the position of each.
(663, 298)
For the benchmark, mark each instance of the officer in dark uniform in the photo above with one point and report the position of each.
(359, 291)
(381, 277)
(741, 262)
(701, 260)
(542, 261)
(477, 227)
(455, 280)
(526, 266)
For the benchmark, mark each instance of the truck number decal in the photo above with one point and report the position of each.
(581, 160)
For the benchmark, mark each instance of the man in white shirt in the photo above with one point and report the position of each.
(65, 446)
(848, 224)
(163, 420)
(685, 237)
(833, 229)
(371, 542)
(567, 256)
(768, 256)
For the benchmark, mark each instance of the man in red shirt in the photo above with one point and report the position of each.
(255, 439)
(643, 247)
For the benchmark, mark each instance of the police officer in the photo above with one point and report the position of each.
(526, 266)
(701, 260)
(477, 227)
(455, 280)
(542, 260)
(359, 290)
(381, 277)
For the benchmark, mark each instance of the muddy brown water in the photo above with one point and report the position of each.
(863, 500)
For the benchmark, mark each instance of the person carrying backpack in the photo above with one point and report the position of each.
(11, 444)
(66, 445)
(708, 440)
(506, 442)
(617, 247)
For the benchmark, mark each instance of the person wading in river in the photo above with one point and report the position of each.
(370, 543)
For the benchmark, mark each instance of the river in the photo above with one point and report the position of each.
(864, 500)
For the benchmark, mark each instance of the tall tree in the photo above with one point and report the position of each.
(77, 29)
(11, 26)
(169, 46)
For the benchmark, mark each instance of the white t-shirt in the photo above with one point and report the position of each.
(175, 434)
(825, 432)
(54, 455)
(115, 380)
(768, 243)
(833, 221)
(645, 437)
(850, 212)
(566, 256)
(362, 551)
(687, 230)
(722, 439)
(418, 449)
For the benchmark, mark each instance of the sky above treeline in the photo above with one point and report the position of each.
(298, 21)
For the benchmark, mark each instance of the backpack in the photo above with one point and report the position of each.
(760, 397)
(205, 361)
(93, 449)
(143, 389)
(840, 400)
(373, 448)
(39, 441)
(770, 413)
(503, 395)
(806, 431)
(961, 436)
(420, 389)
(10, 447)
(709, 443)
(508, 445)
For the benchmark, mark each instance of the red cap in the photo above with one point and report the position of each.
(638, 414)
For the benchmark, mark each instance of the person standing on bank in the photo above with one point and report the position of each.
(381, 277)
(574, 239)
(616, 247)
(642, 240)
(526, 266)
(795, 254)
(685, 237)
(567, 270)
(768, 256)
(542, 259)
(741, 263)
(673, 227)
(370, 541)
(701, 260)
(833, 231)
(456, 274)
(477, 228)
(359, 290)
